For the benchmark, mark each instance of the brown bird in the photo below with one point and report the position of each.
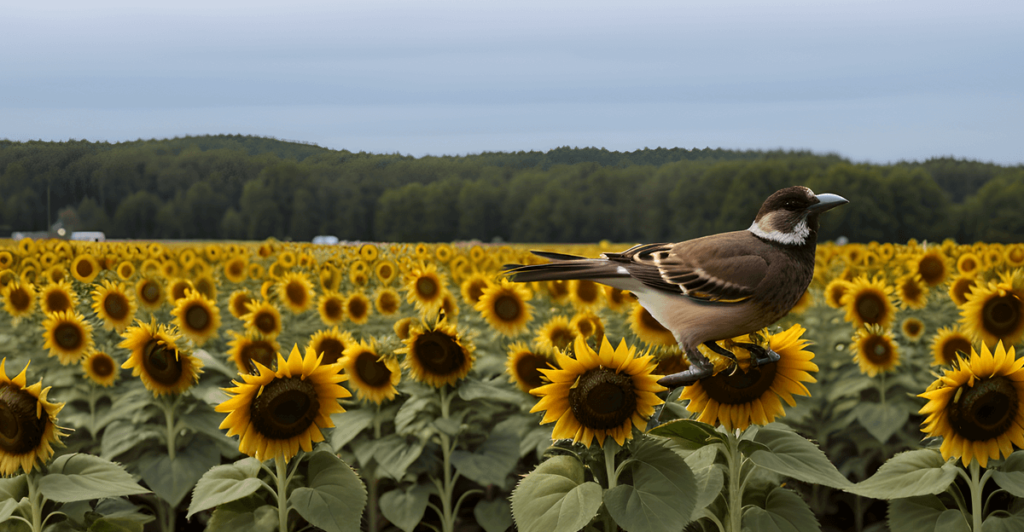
(714, 287)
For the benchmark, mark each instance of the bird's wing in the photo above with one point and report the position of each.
(718, 268)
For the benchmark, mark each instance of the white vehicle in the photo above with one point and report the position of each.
(89, 236)
(325, 239)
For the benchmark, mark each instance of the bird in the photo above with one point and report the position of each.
(714, 287)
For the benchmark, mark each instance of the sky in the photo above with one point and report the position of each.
(874, 81)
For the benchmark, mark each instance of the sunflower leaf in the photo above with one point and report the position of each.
(1011, 521)
(13, 488)
(82, 477)
(1010, 476)
(493, 461)
(909, 474)
(490, 390)
(925, 513)
(494, 515)
(395, 453)
(708, 477)
(335, 498)
(882, 420)
(7, 509)
(224, 484)
(348, 425)
(686, 430)
(171, 479)
(248, 513)
(555, 498)
(793, 456)
(663, 493)
(783, 511)
(405, 508)
(122, 436)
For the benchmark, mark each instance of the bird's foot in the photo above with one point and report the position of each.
(759, 355)
(700, 367)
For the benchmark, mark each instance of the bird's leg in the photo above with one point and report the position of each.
(721, 350)
(700, 367)
(760, 356)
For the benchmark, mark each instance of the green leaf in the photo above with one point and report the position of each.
(250, 514)
(121, 436)
(81, 477)
(925, 513)
(663, 493)
(7, 509)
(493, 390)
(1010, 475)
(537, 438)
(335, 498)
(1011, 521)
(13, 488)
(225, 483)
(882, 420)
(405, 508)
(555, 498)
(348, 425)
(494, 515)
(170, 479)
(202, 418)
(793, 456)
(395, 453)
(784, 511)
(493, 461)
(409, 410)
(708, 477)
(909, 474)
(686, 430)
(848, 387)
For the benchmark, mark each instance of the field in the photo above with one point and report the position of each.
(285, 386)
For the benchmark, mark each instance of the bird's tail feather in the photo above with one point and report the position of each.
(563, 270)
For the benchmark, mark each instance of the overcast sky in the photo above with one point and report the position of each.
(874, 81)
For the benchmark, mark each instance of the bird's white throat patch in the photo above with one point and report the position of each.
(796, 237)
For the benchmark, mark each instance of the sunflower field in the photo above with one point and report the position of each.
(273, 386)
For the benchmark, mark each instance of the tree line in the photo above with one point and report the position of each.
(242, 187)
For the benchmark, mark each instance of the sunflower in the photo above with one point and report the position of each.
(55, 274)
(163, 367)
(584, 295)
(868, 302)
(960, 287)
(875, 351)
(101, 368)
(357, 307)
(57, 297)
(523, 366)
(437, 356)
(331, 343)
(978, 406)
(735, 399)
(968, 264)
(671, 362)
(373, 376)
(256, 271)
(150, 293)
(330, 278)
(1014, 255)
(616, 300)
(85, 268)
(387, 301)
(948, 343)
(235, 269)
(598, 394)
(19, 298)
(206, 286)
(263, 318)
(295, 292)
(834, 292)
(26, 434)
(67, 335)
(588, 324)
(6, 259)
(238, 303)
(913, 329)
(425, 288)
(912, 291)
(178, 289)
(558, 291)
(555, 335)
(197, 317)
(648, 329)
(278, 412)
(504, 307)
(368, 252)
(932, 266)
(331, 307)
(995, 312)
(805, 302)
(125, 270)
(443, 252)
(114, 305)
(169, 269)
(247, 349)
(472, 288)
(385, 271)
(402, 328)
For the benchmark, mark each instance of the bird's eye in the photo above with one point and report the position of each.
(791, 205)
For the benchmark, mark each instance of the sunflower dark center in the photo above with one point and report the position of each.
(20, 299)
(587, 291)
(911, 291)
(240, 305)
(68, 336)
(385, 271)
(476, 290)
(961, 288)
(266, 322)
(439, 354)
(586, 327)
(20, 430)
(878, 350)
(163, 365)
(372, 371)
(528, 369)
(558, 289)
(178, 290)
(870, 308)
(357, 307)
(332, 307)
(1002, 315)
(506, 308)
(671, 365)
(561, 338)
(259, 351)
(912, 328)
(968, 265)
(116, 306)
(426, 287)
(986, 410)
(102, 366)
(296, 293)
(388, 303)
(205, 287)
(954, 345)
(616, 296)
(58, 301)
(932, 270)
(286, 408)
(150, 292)
(236, 268)
(740, 387)
(84, 268)
(331, 349)
(603, 399)
(197, 318)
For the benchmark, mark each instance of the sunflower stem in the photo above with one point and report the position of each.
(609, 462)
(447, 484)
(976, 485)
(282, 493)
(371, 478)
(171, 429)
(735, 501)
(36, 500)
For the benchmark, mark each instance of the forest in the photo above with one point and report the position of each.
(244, 187)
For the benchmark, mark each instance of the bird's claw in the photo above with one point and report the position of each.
(759, 356)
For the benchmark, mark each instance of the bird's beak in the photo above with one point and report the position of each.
(826, 202)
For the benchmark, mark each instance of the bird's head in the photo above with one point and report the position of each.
(790, 216)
